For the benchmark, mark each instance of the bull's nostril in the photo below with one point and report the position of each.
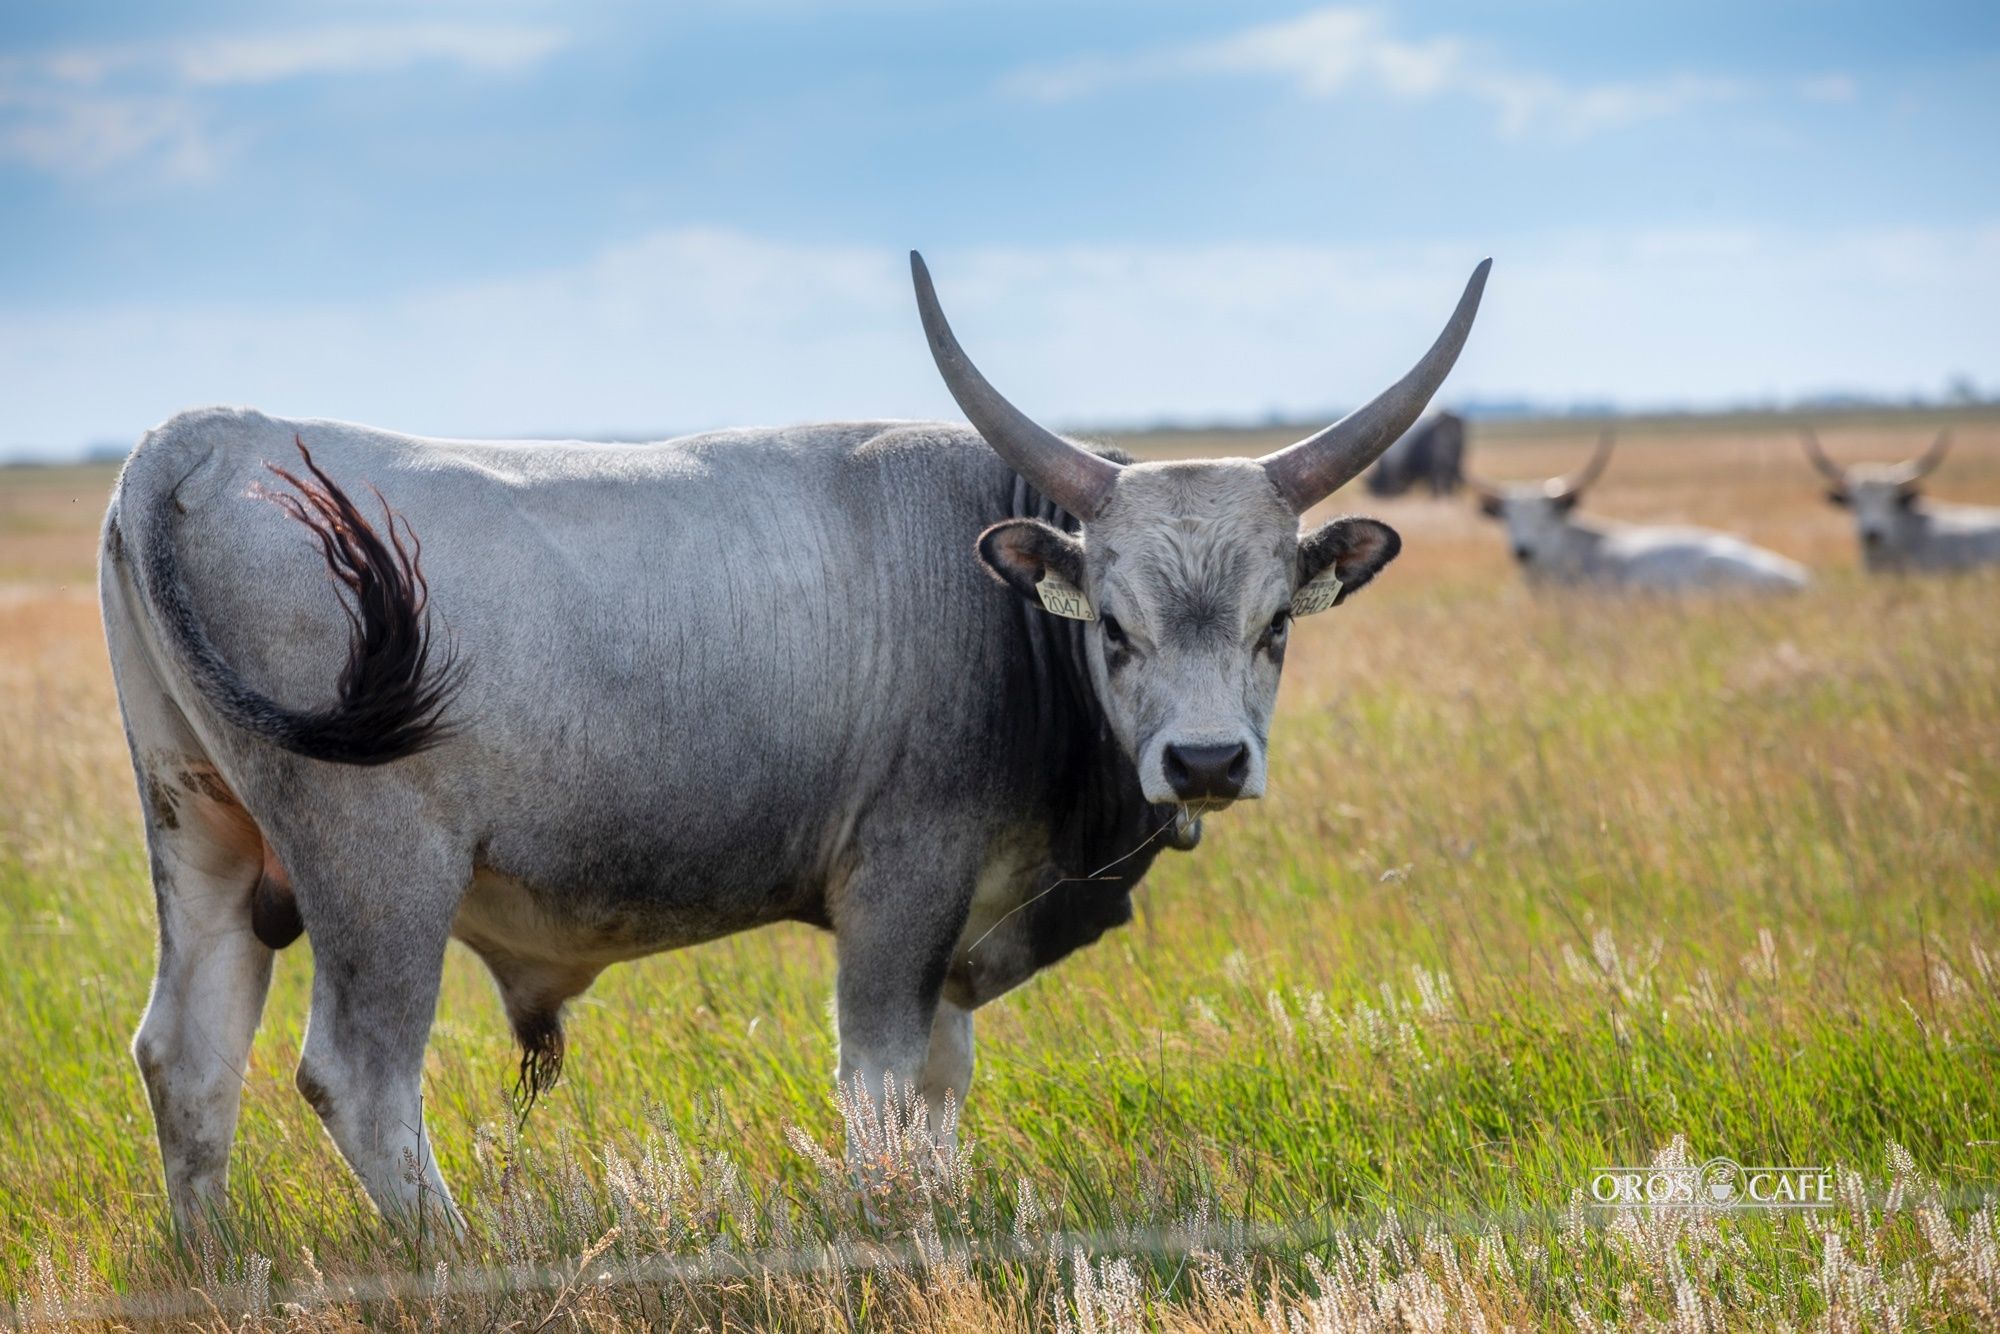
(1198, 772)
(1521, 554)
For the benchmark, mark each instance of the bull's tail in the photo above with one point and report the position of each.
(391, 696)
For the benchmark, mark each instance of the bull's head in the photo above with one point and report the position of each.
(1190, 572)
(1882, 496)
(1536, 512)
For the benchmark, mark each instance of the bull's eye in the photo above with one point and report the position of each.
(1274, 633)
(1114, 633)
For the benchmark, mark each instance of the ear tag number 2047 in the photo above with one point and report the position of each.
(1063, 598)
(1317, 594)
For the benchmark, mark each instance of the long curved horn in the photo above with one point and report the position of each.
(1073, 477)
(1927, 463)
(1317, 466)
(1572, 484)
(1830, 470)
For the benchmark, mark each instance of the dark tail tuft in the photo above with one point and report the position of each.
(541, 1037)
(394, 688)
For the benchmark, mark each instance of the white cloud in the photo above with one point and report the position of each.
(363, 50)
(1333, 51)
(1323, 52)
(87, 111)
(1526, 102)
(694, 328)
(83, 136)
(221, 60)
(1834, 87)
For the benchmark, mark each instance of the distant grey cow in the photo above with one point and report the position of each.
(1900, 529)
(1554, 546)
(943, 692)
(1431, 452)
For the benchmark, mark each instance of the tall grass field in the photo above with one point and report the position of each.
(1544, 883)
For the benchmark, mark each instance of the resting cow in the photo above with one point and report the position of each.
(944, 692)
(1900, 528)
(1553, 545)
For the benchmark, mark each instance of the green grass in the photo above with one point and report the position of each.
(1542, 885)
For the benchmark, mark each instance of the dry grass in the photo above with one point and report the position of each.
(1542, 884)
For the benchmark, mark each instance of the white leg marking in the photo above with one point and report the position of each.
(948, 1066)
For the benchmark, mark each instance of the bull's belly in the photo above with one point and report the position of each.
(504, 915)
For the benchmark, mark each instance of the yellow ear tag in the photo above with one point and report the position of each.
(1064, 598)
(1320, 592)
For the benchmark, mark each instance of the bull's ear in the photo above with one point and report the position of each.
(1352, 551)
(1040, 562)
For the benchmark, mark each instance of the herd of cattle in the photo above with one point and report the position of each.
(1900, 529)
(945, 691)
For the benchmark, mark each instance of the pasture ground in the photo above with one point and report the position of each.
(1543, 884)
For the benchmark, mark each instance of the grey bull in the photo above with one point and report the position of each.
(944, 692)
(1553, 545)
(1900, 528)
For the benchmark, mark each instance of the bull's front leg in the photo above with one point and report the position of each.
(896, 924)
(947, 1079)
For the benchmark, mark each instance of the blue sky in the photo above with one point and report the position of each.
(521, 218)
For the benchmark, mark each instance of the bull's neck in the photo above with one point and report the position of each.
(1583, 538)
(1098, 812)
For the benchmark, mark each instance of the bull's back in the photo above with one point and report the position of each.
(1692, 558)
(689, 667)
(1961, 537)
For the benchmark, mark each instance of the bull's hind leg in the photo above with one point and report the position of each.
(208, 992)
(213, 972)
(379, 913)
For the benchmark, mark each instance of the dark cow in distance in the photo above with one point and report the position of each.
(1431, 453)
(942, 691)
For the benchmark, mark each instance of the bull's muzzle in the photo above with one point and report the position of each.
(1207, 773)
